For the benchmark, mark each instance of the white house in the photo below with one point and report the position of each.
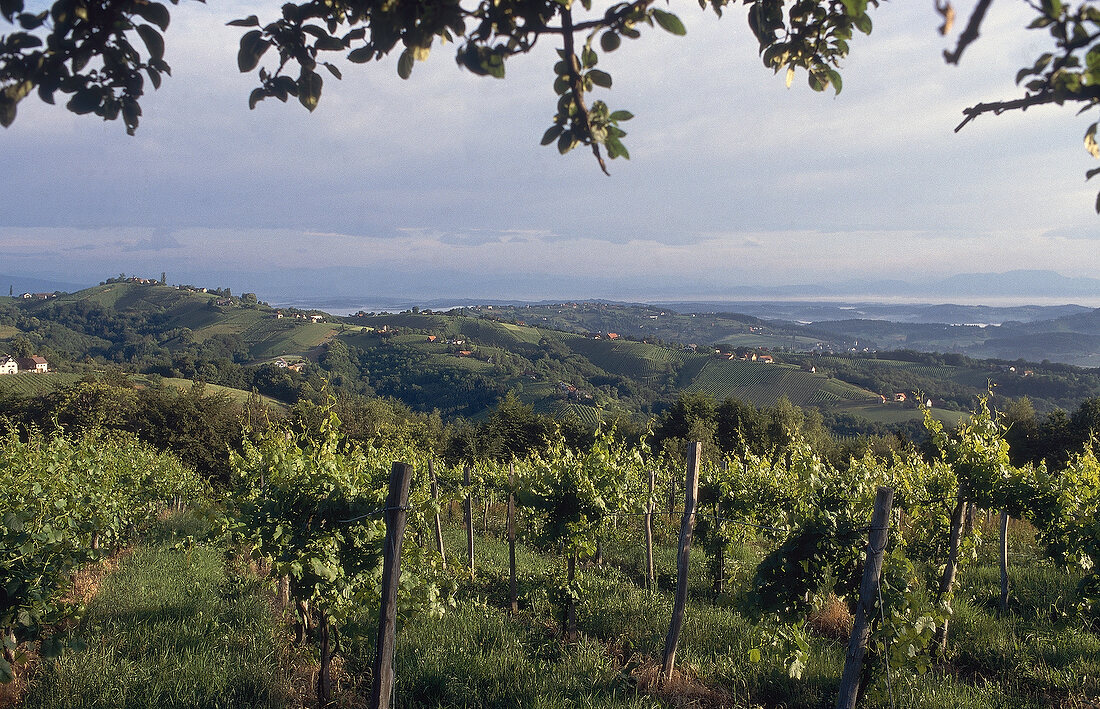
(8, 365)
(34, 364)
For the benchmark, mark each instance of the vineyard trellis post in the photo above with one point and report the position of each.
(396, 513)
(513, 593)
(1004, 561)
(868, 594)
(438, 525)
(720, 552)
(947, 581)
(469, 518)
(650, 575)
(687, 525)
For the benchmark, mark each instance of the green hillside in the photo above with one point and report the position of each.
(463, 362)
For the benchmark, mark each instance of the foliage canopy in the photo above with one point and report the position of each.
(89, 50)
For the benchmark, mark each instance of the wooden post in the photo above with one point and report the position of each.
(382, 686)
(284, 592)
(947, 581)
(513, 591)
(469, 519)
(650, 576)
(1004, 561)
(571, 602)
(324, 671)
(720, 552)
(438, 526)
(868, 594)
(687, 525)
(672, 497)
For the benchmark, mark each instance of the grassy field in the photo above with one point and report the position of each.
(238, 395)
(176, 626)
(170, 628)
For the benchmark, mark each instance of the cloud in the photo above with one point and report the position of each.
(731, 175)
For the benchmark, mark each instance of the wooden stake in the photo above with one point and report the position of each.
(324, 672)
(513, 591)
(571, 603)
(650, 576)
(438, 526)
(1004, 561)
(469, 519)
(687, 525)
(868, 594)
(396, 500)
(947, 581)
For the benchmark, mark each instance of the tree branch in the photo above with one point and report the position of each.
(577, 86)
(999, 107)
(1087, 93)
(969, 34)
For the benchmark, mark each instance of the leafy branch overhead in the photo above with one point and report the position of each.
(99, 53)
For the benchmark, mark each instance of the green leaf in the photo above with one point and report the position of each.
(7, 117)
(332, 69)
(616, 149)
(32, 22)
(153, 41)
(361, 55)
(1098, 203)
(153, 12)
(621, 116)
(1092, 173)
(551, 134)
(51, 647)
(405, 64)
(863, 23)
(8, 8)
(669, 22)
(600, 78)
(253, 46)
(84, 101)
(250, 21)
(588, 58)
(610, 41)
(131, 111)
(835, 80)
(329, 44)
(566, 142)
(309, 89)
(255, 97)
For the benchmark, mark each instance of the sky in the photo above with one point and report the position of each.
(437, 186)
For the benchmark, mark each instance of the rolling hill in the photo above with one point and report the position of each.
(579, 360)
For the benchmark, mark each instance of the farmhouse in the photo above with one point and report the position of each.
(35, 364)
(8, 365)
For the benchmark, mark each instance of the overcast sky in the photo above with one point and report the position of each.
(438, 186)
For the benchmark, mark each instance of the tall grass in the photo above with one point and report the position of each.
(170, 628)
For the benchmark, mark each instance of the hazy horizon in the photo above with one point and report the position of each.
(437, 187)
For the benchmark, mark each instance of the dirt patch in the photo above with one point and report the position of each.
(684, 689)
(832, 620)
